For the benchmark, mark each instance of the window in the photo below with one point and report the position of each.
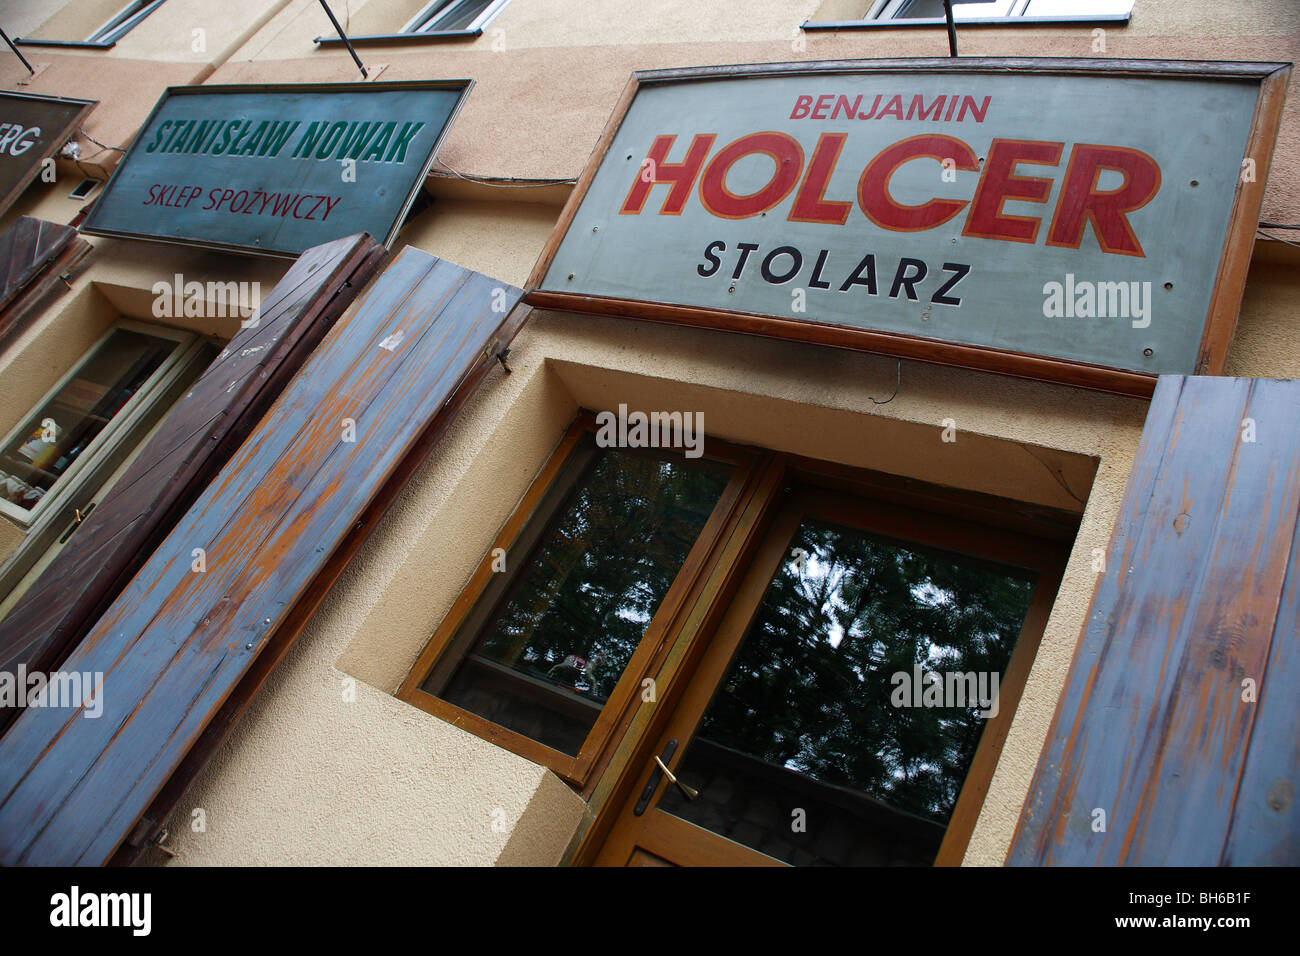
(123, 21)
(107, 20)
(989, 9)
(453, 16)
(742, 621)
(555, 631)
(930, 12)
(86, 416)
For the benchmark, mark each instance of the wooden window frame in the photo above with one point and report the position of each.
(719, 570)
(118, 430)
(1027, 536)
(577, 770)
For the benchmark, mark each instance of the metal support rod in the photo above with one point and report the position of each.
(348, 43)
(947, 13)
(16, 53)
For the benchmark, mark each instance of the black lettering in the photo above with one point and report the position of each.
(766, 268)
(711, 253)
(869, 280)
(745, 249)
(904, 281)
(961, 272)
(815, 282)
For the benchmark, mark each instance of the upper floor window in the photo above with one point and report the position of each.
(91, 23)
(118, 25)
(453, 16)
(990, 10)
(977, 9)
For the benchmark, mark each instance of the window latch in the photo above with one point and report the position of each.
(78, 516)
(661, 770)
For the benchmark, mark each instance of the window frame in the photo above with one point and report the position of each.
(437, 9)
(74, 482)
(621, 705)
(883, 14)
(430, 11)
(611, 761)
(974, 524)
(106, 35)
(124, 21)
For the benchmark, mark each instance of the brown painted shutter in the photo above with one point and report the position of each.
(33, 255)
(196, 439)
(176, 645)
(1201, 593)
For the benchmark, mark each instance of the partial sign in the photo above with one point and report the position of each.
(1007, 215)
(277, 169)
(32, 129)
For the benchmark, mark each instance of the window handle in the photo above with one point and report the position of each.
(661, 770)
(690, 793)
(78, 516)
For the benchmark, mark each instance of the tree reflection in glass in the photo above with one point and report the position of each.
(801, 754)
(560, 634)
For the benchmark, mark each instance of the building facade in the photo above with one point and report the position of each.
(435, 706)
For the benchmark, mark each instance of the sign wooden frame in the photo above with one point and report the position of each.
(1225, 299)
(54, 144)
(464, 85)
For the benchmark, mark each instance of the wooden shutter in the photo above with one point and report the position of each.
(33, 255)
(177, 644)
(1201, 594)
(193, 443)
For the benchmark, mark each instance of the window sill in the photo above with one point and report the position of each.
(376, 39)
(82, 44)
(1121, 18)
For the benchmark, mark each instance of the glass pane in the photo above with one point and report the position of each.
(457, 15)
(961, 9)
(59, 430)
(1074, 8)
(555, 643)
(810, 751)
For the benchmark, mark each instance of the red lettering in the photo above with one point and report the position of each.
(873, 187)
(999, 183)
(681, 175)
(823, 104)
(801, 106)
(785, 152)
(1081, 202)
(850, 109)
(810, 203)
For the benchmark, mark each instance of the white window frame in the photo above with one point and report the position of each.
(122, 22)
(421, 24)
(118, 429)
(891, 10)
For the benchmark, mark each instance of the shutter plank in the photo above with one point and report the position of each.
(195, 440)
(1151, 727)
(175, 644)
(33, 255)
